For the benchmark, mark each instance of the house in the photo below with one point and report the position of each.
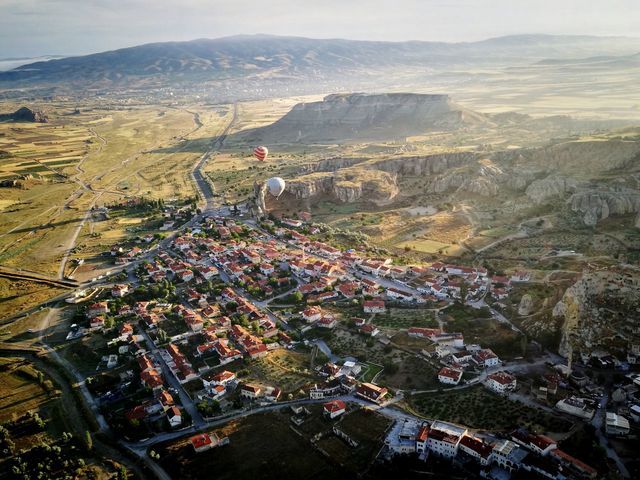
(540, 444)
(266, 269)
(617, 425)
(399, 294)
(185, 275)
(486, 358)
(174, 417)
(165, 399)
(194, 322)
(371, 392)
(257, 351)
(328, 321)
(250, 392)
(373, 306)
(126, 331)
(475, 448)
(449, 376)
(462, 357)
(208, 272)
(322, 297)
(520, 276)
(329, 370)
(501, 382)
(369, 329)
(348, 290)
(421, 439)
(508, 455)
(96, 309)
(579, 468)
(220, 378)
(119, 290)
(203, 442)
(272, 394)
(402, 436)
(418, 332)
(575, 406)
(312, 314)
(97, 322)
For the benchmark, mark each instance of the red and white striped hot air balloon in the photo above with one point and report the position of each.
(261, 153)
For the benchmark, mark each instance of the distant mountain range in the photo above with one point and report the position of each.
(287, 58)
(604, 61)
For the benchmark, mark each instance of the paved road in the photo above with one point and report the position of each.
(598, 422)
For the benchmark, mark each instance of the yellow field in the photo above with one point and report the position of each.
(426, 246)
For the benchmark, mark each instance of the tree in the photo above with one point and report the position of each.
(122, 473)
(296, 297)
(464, 290)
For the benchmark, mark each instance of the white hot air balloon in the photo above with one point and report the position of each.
(275, 185)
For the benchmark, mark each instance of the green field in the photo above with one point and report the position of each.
(476, 407)
(405, 318)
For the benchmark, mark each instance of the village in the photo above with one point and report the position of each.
(229, 317)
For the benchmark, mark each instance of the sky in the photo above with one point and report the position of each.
(31, 28)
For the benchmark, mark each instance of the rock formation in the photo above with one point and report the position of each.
(526, 305)
(25, 114)
(551, 187)
(342, 117)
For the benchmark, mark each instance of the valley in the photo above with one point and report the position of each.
(455, 252)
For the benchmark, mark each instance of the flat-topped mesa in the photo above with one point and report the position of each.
(340, 117)
(25, 114)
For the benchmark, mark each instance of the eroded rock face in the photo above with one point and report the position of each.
(526, 305)
(551, 187)
(596, 206)
(346, 186)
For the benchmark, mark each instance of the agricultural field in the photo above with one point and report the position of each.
(285, 369)
(19, 295)
(365, 427)
(282, 454)
(93, 156)
(490, 333)
(25, 389)
(402, 318)
(407, 372)
(478, 408)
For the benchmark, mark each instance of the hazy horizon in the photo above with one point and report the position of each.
(30, 28)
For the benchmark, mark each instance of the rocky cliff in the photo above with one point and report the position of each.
(362, 116)
(346, 186)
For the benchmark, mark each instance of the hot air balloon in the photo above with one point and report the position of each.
(275, 185)
(261, 153)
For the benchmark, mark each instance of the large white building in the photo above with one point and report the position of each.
(443, 439)
(476, 448)
(575, 406)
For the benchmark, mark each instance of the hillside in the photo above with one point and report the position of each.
(287, 57)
